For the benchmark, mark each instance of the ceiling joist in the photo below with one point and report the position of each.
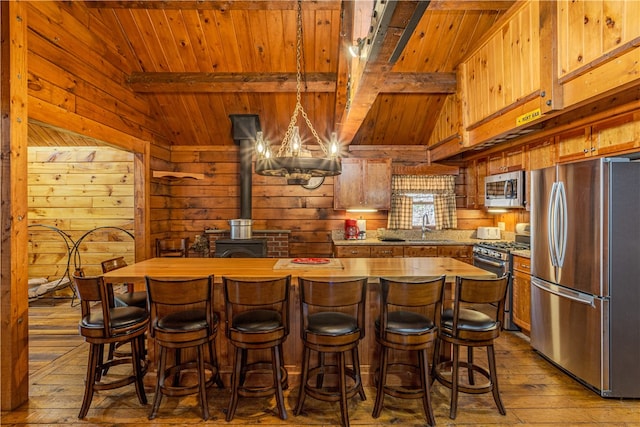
(213, 5)
(470, 4)
(229, 82)
(281, 82)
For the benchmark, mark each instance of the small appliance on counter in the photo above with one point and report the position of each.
(488, 233)
(351, 230)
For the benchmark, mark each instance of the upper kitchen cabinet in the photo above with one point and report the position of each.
(500, 82)
(597, 49)
(544, 59)
(363, 184)
(613, 136)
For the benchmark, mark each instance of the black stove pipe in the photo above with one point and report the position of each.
(244, 128)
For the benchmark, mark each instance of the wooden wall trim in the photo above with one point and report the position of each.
(14, 357)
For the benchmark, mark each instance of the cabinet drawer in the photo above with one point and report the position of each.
(522, 264)
(420, 251)
(455, 251)
(352, 251)
(386, 252)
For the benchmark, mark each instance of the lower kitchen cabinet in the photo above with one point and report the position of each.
(387, 252)
(420, 251)
(352, 251)
(521, 308)
(462, 253)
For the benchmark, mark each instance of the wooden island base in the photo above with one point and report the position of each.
(372, 268)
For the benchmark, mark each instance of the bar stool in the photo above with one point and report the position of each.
(257, 318)
(101, 324)
(332, 315)
(475, 320)
(176, 248)
(131, 297)
(410, 313)
(182, 317)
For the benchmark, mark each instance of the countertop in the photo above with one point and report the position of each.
(526, 253)
(409, 242)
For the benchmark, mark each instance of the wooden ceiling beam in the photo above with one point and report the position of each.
(392, 19)
(213, 5)
(229, 82)
(282, 82)
(419, 83)
(470, 4)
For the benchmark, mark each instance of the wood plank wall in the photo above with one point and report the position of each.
(186, 207)
(77, 189)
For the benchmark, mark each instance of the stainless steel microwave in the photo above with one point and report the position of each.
(505, 190)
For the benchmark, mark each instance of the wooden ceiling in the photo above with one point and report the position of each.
(198, 62)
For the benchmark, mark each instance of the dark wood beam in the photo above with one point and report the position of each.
(229, 82)
(213, 5)
(470, 4)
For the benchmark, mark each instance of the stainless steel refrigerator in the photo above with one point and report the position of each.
(585, 268)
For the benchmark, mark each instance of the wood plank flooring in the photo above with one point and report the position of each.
(534, 393)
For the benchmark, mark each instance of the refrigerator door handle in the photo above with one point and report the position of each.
(564, 293)
(551, 225)
(563, 219)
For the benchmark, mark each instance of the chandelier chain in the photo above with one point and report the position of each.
(286, 141)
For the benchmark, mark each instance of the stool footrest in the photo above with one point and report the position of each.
(446, 380)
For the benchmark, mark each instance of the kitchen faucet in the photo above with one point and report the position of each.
(425, 228)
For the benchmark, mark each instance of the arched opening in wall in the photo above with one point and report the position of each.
(77, 184)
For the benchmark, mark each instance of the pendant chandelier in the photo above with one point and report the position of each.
(292, 160)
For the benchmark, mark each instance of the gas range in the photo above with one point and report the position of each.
(498, 250)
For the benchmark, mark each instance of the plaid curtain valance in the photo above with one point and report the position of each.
(444, 199)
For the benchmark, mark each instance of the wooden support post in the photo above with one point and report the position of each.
(14, 315)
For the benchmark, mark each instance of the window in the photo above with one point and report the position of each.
(422, 205)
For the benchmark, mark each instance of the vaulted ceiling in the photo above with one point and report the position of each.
(200, 61)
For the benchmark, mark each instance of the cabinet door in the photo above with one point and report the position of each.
(617, 135)
(575, 145)
(522, 300)
(420, 251)
(354, 251)
(495, 164)
(514, 159)
(348, 191)
(386, 252)
(462, 253)
(377, 184)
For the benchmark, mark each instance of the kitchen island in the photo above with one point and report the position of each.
(372, 268)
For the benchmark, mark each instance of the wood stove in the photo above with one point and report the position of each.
(241, 248)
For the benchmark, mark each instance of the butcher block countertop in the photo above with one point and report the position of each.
(372, 268)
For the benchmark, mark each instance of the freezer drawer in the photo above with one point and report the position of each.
(567, 328)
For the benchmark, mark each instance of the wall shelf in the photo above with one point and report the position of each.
(177, 175)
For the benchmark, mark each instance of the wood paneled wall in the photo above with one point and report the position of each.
(186, 207)
(77, 189)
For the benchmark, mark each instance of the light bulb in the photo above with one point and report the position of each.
(333, 145)
(295, 141)
(260, 146)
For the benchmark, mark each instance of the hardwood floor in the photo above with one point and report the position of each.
(533, 392)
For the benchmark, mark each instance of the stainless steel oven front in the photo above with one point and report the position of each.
(498, 267)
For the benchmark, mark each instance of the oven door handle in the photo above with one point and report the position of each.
(489, 262)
